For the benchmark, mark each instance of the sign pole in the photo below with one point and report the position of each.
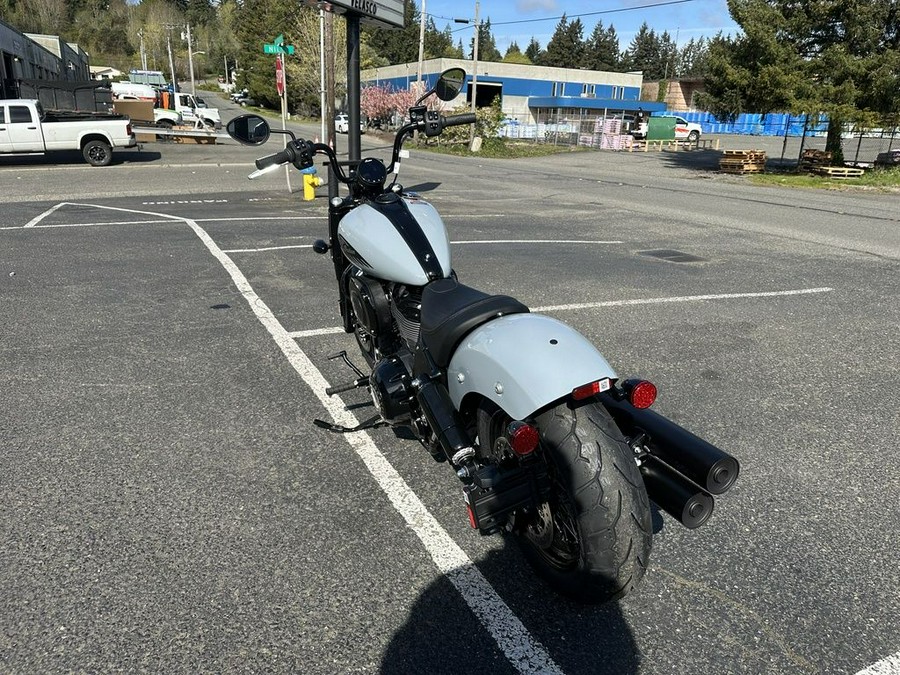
(282, 90)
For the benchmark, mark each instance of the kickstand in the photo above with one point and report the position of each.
(371, 423)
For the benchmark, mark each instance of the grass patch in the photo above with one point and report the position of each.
(879, 179)
(499, 148)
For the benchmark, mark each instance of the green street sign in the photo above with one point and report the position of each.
(278, 49)
(279, 39)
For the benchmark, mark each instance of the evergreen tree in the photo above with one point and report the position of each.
(566, 47)
(602, 49)
(515, 55)
(644, 54)
(487, 47)
(534, 52)
(837, 57)
(397, 45)
(692, 59)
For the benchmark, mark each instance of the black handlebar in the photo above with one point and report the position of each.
(457, 120)
(300, 152)
(283, 157)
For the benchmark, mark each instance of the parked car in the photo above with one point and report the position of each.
(25, 127)
(342, 124)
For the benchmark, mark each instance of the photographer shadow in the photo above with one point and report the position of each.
(443, 635)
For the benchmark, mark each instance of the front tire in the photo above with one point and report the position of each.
(694, 136)
(591, 540)
(97, 153)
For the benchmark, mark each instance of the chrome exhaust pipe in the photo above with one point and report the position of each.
(676, 495)
(712, 469)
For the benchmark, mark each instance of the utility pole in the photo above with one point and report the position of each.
(329, 79)
(143, 53)
(475, 65)
(419, 88)
(191, 60)
(324, 134)
(171, 60)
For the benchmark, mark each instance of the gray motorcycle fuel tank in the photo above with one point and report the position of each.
(401, 239)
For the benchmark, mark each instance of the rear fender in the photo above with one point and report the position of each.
(523, 362)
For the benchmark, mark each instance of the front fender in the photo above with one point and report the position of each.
(522, 362)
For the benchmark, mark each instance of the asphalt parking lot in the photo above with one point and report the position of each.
(169, 507)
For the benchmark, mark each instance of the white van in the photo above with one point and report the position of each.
(129, 91)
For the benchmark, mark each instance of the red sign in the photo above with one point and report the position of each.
(279, 76)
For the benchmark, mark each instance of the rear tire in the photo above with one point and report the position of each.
(97, 153)
(591, 541)
(694, 136)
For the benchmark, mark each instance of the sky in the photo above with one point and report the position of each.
(520, 20)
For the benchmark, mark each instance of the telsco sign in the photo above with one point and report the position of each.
(385, 13)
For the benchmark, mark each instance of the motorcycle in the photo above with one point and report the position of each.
(551, 446)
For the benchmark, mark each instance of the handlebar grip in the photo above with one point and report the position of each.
(282, 157)
(456, 120)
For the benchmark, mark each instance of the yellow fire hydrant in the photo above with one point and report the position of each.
(310, 182)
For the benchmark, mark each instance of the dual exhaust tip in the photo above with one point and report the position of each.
(681, 471)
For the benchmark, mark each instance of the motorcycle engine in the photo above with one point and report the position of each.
(372, 309)
(391, 390)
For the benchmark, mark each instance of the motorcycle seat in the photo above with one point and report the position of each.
(451, 310)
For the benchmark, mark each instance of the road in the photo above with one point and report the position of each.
(167, 505)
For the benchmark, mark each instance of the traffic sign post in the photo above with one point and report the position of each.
(278, 48)
(279, 75)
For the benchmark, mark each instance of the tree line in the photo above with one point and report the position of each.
(837, 58)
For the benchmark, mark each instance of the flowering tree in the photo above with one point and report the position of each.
(384, 102)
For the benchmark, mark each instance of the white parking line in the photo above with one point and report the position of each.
(887, 666)
(525, 653)
(682, 298)
(332, 330)
(455, 243)
(34, 221)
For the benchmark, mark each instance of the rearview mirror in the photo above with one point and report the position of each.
(249, 129)
(450, 83)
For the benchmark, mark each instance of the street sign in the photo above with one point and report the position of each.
(279, 77)
(382, 13)
(278, 49)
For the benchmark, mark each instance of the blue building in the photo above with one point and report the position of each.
(530, 94)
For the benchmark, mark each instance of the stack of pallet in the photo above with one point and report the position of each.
(743, 161)
(812, 158)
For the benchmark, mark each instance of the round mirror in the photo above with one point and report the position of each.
(248, 129)
(450, 83)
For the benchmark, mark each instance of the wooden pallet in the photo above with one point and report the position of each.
(741, 169)
(839, 171)
(742, 161)
(812, 158)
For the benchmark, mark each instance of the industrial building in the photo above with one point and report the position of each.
(28, 56)
(531, 94)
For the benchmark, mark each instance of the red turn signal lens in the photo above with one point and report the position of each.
(588, 390)
(641, 393)
(471, 515)
(523, 438)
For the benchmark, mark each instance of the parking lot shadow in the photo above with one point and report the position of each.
(73, 157)
(441, 635)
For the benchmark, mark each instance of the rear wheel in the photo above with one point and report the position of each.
(694, 136)
(97, 153)
(591, 540)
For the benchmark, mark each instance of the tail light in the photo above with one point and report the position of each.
(590, 389)
(128, 129)
(640, 393)
(523, 438)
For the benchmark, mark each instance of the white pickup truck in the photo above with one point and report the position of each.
(25, 128)
(684, 130)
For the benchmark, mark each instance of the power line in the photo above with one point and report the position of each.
(575, 16)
